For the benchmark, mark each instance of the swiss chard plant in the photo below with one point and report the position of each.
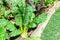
(16, 17)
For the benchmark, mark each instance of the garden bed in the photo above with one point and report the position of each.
(20, 20)
(41, 27)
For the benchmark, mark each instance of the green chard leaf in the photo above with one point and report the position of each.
(15, 33)
(14, 10)
(3, 34)
(21, 3)
(10, 26)
(32, 25)
(3, 22)
(18, 19)
(22, 6)
(12, 2)
(40, 18)
(29, 11)
(31, 17)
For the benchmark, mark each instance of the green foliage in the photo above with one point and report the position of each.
(1, 1)
(49, 2)
(52, 30)
(36, 0)
(33, 38)
(3, 22)
(39, 19)
(10, 26)
(7, 25)
(29, 11)
(15, 33)
(3, 34)
(16, 16)
(17, 19)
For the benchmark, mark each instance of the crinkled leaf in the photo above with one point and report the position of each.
(27, 15)
(21, 3)
(3, 34)
(32, 17)
(3, 22)
(1, 30)
(12, 2)
(15, 33)
(32, 25)
(14, 10)
(10, 26)
(40, 18)
(2, 38)
(18, 19)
